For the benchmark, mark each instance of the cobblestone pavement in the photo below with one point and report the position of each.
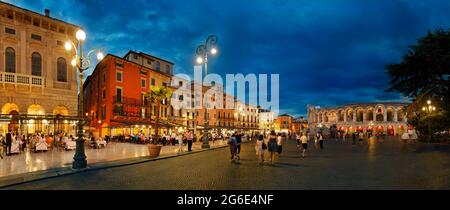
(373, 165)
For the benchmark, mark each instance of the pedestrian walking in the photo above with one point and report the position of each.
(304, 141)
(316, 141)
(272, 145)
(232, 143)
(344, 134)
(320, 140)
(405, 137)
(354, 137)
(279, 144)
(2, 143)
(8, 143)
(260, 148)
(179, 138)
(238, 145)
(299, 142)
(361, 137)
(190, 138)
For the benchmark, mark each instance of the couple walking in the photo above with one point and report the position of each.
(273, 145)
(235, 145)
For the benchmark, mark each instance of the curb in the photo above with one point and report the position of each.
(18, 179)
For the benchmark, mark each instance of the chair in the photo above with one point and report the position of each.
(15, 147)
(70, 145)
(41, 146)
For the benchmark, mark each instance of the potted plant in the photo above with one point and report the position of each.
(157, 95)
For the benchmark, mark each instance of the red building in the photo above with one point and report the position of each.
(115, 99)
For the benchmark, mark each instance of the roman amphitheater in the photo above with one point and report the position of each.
(389, 118)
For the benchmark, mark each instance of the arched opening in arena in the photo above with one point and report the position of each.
(380, 129)
(400, 115)
(390, 130)
(359, 115)
(380, 115)
(390, 115)
(349, 115)
(340, 116)
(369, 116)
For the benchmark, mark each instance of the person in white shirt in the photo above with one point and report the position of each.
(279, 143)
(179, 138)
(405, 137)
(304, 141)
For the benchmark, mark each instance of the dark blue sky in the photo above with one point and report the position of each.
(327, 52)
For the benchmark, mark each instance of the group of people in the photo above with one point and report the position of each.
(303, 139)
(14, 143)
(272, 143)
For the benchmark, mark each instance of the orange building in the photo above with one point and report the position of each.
(115, 99)
(283, 123)
(227, 116)
(299, 125)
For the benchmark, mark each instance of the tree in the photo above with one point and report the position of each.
(423, 74)
(157, 95)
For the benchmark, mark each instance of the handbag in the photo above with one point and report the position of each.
(264, 146)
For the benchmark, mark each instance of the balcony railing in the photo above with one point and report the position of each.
(21, 79)
(128, 101)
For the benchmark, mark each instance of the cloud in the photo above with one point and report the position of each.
(326, 52)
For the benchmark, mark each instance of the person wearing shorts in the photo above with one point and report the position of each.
(304, 141)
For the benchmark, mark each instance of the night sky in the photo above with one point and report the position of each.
(328, 52)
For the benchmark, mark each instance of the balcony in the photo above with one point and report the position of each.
(128, 101)
(21, 79)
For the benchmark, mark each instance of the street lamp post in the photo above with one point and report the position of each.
(82, 62)
(202, 53)
(429, 109)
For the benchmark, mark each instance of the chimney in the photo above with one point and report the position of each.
(47, 13)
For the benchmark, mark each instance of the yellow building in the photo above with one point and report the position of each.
(37, 82)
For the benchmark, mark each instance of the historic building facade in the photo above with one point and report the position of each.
(299, 124)
(116, 94)
(389, 118)
(266, 120)
(283, 123)
(38, 86)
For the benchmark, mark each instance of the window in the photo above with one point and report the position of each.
(119, 65)
(164, 84)
(149, 62)
(167, 69)
(158, 65)
(180, 83)
(10, 31)
(103, 112)
(36, 37)
(103, 94)
(10, 15)
(135, 57)
(61, 70)
(53, 27)
(119, 76)
(10, 60)
(36, 64)
(36, 22)
(119, 94)
(153, 82)
(143, 83)
(59, 43)
(104, 77)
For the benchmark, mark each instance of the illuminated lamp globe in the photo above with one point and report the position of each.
(81, 35)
